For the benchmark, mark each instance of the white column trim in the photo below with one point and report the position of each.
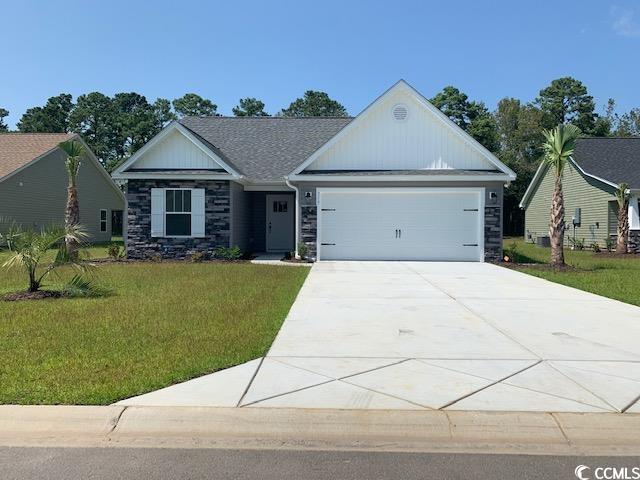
(634, 215)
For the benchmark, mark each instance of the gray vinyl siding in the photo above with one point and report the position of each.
(580, 191)
(240, 216)
(37, 196)
(258, 230)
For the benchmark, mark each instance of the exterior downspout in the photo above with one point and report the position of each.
(297, 195)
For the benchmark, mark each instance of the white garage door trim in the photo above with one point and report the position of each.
(480, 191)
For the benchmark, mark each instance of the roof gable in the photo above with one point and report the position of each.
(425, 140)
(265, 149)
(176, 148)
(17, 150)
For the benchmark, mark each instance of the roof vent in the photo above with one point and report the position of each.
(400, 112)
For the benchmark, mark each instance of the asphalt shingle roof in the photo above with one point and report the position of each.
(18, 149)
(265, 148)
(614, 159)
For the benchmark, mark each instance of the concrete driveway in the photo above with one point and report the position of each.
(457, 336)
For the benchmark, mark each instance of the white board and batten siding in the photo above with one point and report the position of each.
(158, 196)
(437, 224)
(175, 151)
(410, 137)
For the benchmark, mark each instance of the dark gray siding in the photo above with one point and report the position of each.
(37, 195)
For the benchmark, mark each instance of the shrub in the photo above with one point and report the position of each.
(303, 250)
(511, 253)
(28, 249)
(155, 257)
(595, 247)
(196, 257)
(609, 243)
(576, 243)
(115, 251)
(224, 253)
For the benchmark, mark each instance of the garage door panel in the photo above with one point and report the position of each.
(421, 224)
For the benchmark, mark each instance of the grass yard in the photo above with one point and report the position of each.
(165, 323)
(610, 276)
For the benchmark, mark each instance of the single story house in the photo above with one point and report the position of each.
(33, 186)
(400, 181)
(592, 176)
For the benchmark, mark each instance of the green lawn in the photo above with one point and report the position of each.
(165, 323)
(613, 277)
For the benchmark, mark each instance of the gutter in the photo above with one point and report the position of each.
(297, 195)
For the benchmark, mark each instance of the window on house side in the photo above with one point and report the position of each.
(103, 220)
(178, 213)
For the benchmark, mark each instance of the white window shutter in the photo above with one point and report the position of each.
(157, 212)
(197, 212)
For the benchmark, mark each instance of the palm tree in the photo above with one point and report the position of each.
(622, 196)
(28, 249)
(558, 147)
(74, 151)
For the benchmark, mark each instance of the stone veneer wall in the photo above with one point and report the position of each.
(309, 229)
(493, 233)
(633, 245)
(141, 245)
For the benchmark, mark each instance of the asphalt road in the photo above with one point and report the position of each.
(138, 463)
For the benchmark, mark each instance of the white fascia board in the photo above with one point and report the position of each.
(400, 178)
(99, 166)
(174, 125)
(533, 185)
(573, 162)
(421, 99)
(173, 176)
(267, 187)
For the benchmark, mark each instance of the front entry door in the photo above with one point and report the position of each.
(280, 223)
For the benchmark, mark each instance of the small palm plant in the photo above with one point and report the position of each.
(622, 196)
(28, 251)
(74, 151)
(558, 148)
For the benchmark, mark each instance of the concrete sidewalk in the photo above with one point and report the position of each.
(324, 429)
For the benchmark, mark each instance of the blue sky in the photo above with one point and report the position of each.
(275, 50)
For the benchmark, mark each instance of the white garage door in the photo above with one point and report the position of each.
(401, 224)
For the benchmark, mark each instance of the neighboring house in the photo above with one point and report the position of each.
(398, 182)
(33, 185)
(589, 183)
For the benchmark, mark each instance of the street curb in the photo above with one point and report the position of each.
(321, 429)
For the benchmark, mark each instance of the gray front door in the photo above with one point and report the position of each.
(280, 223)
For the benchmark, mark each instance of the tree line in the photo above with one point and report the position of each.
(115, 127)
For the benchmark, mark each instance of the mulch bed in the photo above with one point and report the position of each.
(26, 295)
(541, 266)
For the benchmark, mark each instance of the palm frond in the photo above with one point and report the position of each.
(559, 145)
(622, 194)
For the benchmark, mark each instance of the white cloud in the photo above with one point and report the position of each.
(624, 23)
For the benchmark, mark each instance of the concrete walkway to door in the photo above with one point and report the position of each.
(455, 336)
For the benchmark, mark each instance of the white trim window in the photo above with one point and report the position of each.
(177, 212)
(103, 220)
